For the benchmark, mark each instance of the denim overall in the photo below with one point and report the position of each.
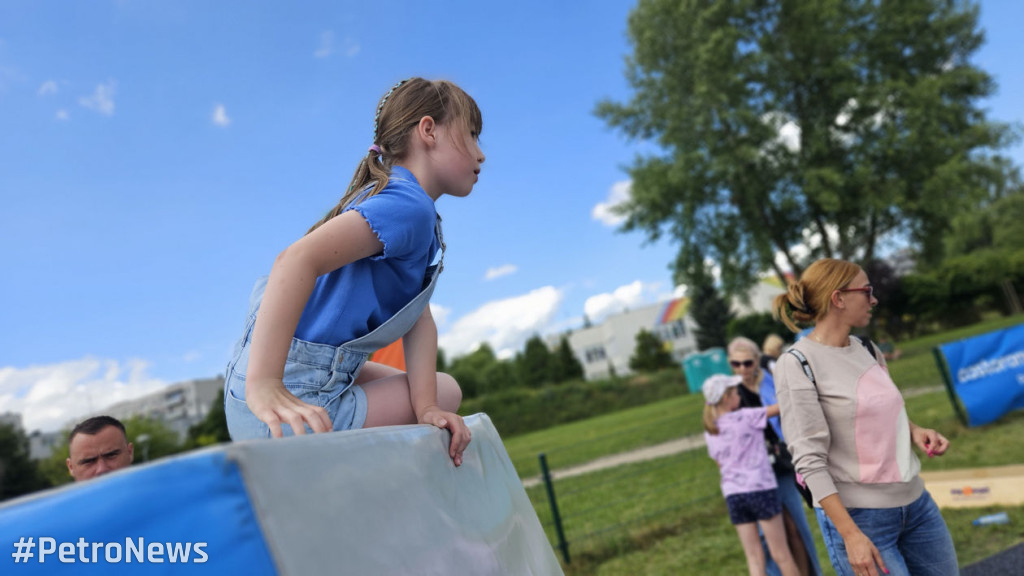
(320, 374)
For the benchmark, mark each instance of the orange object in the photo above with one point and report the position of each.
(392, 355)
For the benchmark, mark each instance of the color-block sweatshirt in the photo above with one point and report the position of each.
(848, 433)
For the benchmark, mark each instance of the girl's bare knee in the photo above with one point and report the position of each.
(449, 395)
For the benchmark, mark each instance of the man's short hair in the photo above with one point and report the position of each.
(93, 425)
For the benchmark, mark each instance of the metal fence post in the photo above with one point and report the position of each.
(562, 544)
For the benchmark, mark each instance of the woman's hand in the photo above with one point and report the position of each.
(929, 441)
(863, 556)
(461, 436)
(273, 404)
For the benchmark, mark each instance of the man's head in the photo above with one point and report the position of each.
(98, 446)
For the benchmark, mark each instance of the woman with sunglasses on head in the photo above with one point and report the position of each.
(756, 390)
(850, 436)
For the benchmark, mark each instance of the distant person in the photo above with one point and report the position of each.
(889, 350)
(98, 446)
(849, 433)
(770, 351)
(360, 279)
(757, 389)
(735, 440)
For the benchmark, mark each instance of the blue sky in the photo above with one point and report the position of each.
(155, 156)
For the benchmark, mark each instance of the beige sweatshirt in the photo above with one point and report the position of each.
(849, 433)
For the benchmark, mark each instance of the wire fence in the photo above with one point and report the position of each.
(598, 510)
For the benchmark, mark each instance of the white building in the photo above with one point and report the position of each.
(609, 345)
(179, 405)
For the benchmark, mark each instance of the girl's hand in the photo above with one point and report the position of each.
(863, 556)
(453, 422)
(272, 403)
(929, 441)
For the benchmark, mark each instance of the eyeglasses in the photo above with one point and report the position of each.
(869, 290)
(737, 363)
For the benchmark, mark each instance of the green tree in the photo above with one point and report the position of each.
(844, 121)
(442, 360)
(564, 364)
(708, 308)
(470, 370)
(650, 354)
(534, 363)
(151, 438)
(213, 429)
(757, 327)
(18, 473)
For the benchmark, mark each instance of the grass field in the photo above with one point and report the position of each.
(667, 516)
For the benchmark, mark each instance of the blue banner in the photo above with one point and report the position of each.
(987, 373)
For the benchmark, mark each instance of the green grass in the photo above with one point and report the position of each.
(667, 516)
(916, 367)
(623, 431)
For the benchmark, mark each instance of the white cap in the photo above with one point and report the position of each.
(714, 387)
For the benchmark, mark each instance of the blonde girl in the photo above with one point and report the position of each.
(360, 279)
(735, 440)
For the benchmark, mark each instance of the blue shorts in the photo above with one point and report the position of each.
(317, 374)
(753, 506)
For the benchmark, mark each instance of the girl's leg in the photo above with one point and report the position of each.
(775, 535)
(387, 395)
(796, 544)
(751, 547)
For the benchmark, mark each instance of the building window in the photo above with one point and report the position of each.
(594, 354)
(678, 329)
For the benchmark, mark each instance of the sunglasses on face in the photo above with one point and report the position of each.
(744, 363)
(869, 290)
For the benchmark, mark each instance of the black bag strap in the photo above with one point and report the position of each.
(866, 342)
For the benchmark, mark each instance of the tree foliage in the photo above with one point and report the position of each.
(18, 473)
(708, 307)
(213, 429)
(564, 364)
(534, 363)
(650, 354)
(781, 122)
(758, 326)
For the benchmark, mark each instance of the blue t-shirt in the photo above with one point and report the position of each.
(768, 397)
(353, 300)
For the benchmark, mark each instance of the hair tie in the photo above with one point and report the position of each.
(375, 149)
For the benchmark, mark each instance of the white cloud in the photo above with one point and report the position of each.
(811, 241)
(351, 47)
(440, 314)
(619, 193)
(52, 396)
(500, 271)
(789, 131)
(631, 295)
(326, 47)
(220, 116)
(191, 356)
(62, 114)
(48, 87)
(504, 324)
(102, 100)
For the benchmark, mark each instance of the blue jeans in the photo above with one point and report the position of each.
(793, 503)
(912, 539)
